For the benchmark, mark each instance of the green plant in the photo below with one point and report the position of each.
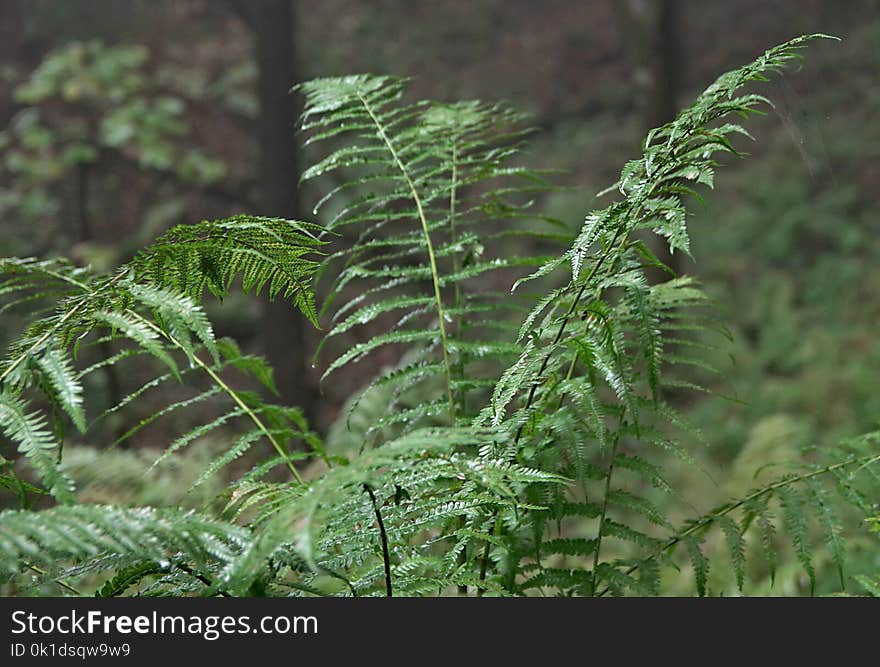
(510, 459)
(86, 113)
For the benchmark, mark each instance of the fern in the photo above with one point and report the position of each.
(265, 252)
(588, 335)
(419, 482)
(135, 307)
(799, 497)
(30, 432)
(82, 532)
(521, 444)
(426, 185)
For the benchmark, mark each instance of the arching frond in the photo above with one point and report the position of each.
(274, 253)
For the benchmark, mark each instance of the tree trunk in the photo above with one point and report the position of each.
(650, 31)
(284, 329)
(11, 38)
(664, 64)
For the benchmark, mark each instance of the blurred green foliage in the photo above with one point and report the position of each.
(86, 102)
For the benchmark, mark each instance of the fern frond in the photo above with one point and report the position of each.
(31, 434)
(77, 533)
(127, 577)
(410, 173)
(790, 491)
(64, 382)
(270, 253)
(421, 480)
(794, 516)
(148, 308)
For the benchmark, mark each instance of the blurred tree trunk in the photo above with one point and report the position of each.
(283, 329)
(10, 44)
(650, 32)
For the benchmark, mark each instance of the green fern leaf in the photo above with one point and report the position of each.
(700, 564)
(63, 379)
(736, 547)
(794, 516)
(34, 439)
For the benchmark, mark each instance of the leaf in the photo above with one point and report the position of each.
(34, 439)
(263, 251)
(736, 548)
(794, 516)
(138, 332)
(64, 381)
(700, 564)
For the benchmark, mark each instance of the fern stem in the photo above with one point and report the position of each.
(724, 510)
(386, 558)
(60, 582)
(435, 276)
(452, 232)
(604, 513)
(460, 323)
(51, 332)
(231, 393)
(252, 415)
(559, 333)
(453, 236)
(183, 567)
(484, 562)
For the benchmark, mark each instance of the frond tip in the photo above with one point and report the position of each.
(273, 253)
